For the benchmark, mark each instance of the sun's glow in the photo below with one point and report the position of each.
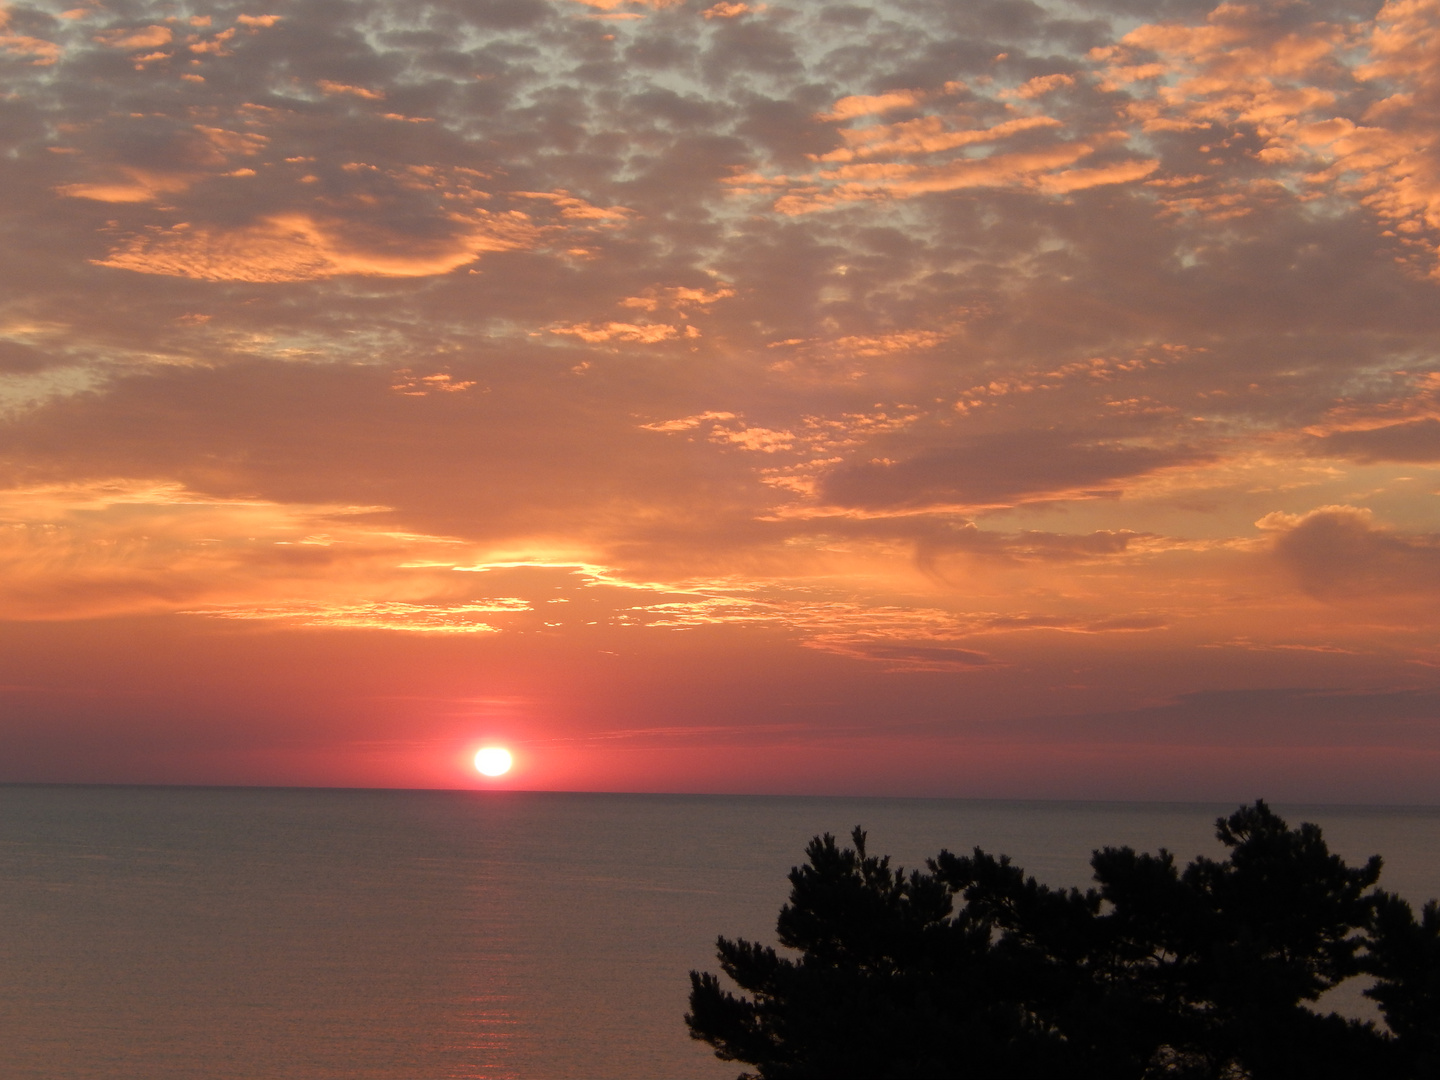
(493, 761)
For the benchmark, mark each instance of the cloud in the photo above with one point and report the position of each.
(300, 248)
(999, 469)
(847, 108)
(907, 656)
(288, 217)
(940, 353)
(408, 618)
(728, 9)
(343, 88)
(1250, 69)
(642, 333)
(16, 357)
(1335, 553)
(1043, 84)
(866, 168)
(1030, 545)
(440, 382)
(148, 37)
(121, 546)
(138, 186)
(39, 52)
(1411, 440)
(929, 135)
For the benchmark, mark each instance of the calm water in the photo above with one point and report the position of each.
(156, 933)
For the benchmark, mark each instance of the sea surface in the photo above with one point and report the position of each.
(250, 934)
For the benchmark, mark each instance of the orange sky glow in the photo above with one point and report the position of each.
(914, 398)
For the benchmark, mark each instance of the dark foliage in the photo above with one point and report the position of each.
(971, 969)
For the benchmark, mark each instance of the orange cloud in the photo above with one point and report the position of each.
(687, 423)
(872, 163)
(140, 186)
(576, 209)
(1041, 85)
(412, 385)
(870, 345)
(148, 37)
(127, 545)
(640, 333)
(299, 247)
(1044, 170)
(439, 618)
(345, 88)
(1238, 70)
(41, 53)
(677, 297)
(727, 9)
(764, 440)
(848, 108)
(207, 147)
(214, 46)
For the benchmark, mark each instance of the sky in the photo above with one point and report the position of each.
(992, 399)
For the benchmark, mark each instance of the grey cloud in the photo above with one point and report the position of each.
(1336, 554)
(18, 358)
(681, 110)
(998, 468)
(787, 129)
(501, 14)
(751, 46)
(1413, 440)
(847, 14)
(1043, 545)
(1151, 10)
(906, 656)
(942, 539)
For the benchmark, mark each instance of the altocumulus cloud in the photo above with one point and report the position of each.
(936, 341)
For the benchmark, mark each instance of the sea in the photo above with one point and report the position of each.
(151, 933)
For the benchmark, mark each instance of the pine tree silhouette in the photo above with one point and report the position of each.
(971, 969)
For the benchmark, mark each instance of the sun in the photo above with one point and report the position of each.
(493, 761)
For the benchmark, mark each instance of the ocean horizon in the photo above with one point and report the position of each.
(148, 932)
